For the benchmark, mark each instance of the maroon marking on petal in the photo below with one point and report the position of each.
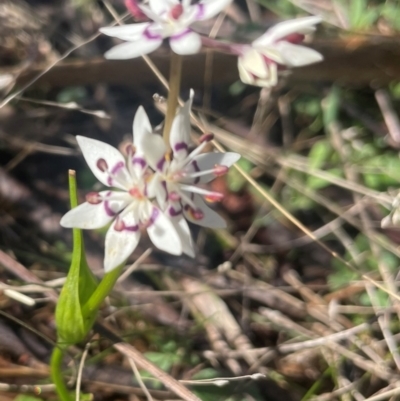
(174, 212)
(164, 185)
(133, 228)
(206, 138)
(108, 209)
(102, 165)
(176, 11)
(149, 35)
(154, 214)
(200, 11)
(196, 168)
(181, 34)
(180, 146)
(160, 164)
(139, 160)
(117, 167)
(94, 198)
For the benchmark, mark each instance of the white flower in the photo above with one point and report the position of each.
(170, 19)
(179, 173)
(128, 206)
(277, 48)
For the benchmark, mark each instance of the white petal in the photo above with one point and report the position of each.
(161, 6)
(207, 161)
(268, 78)
(183, 230)
(156, 189)
(180, 130)
(129, 50)
(141, 126)
(254, 63)
(89, 216)
(210, 218)
(158, 6)
(93, 151)
(129, 32)
(163, 234)
(245, 75)
(297, 56)
(155, 149)
(285, 28)
(210, 8)
(86, 216)
(185, 42)
(119, 245)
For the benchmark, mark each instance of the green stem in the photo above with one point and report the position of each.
(175, 73)
(101, 292)
(56, 374)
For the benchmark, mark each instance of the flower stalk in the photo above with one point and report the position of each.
(175, 74)
(56, 374)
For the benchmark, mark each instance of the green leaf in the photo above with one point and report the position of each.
(72, 324)
(319, 154)
(331, 105)
(24, 397)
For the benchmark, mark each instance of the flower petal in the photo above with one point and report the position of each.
(183, 230)
(121, 239)
(210, 218)
(157, 188)
(180, 130)
(209, 8)
(245, 76)
(128, 32)
(163, 234)
(134, 49)
(207, 161)
(161, 6)
(268, 78)
(88, 216)
(297, 56)
(103, 160)
(254, 63)
(285, 28)
(141, 126)
(155, 149)
(185, 42)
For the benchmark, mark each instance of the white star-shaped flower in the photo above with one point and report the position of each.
(169, 19)
(181, 174)
(277, 49)
(128, 205)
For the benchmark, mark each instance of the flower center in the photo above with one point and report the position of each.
(136, 193)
